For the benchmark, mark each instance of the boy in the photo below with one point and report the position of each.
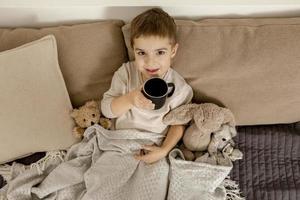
(153, 39)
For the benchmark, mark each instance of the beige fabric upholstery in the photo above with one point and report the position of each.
(88, 54)
(35, 104)
(251, 66)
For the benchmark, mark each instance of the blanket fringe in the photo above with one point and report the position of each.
(232, 189)
(50, 155)
(2, 197)
(6, 170)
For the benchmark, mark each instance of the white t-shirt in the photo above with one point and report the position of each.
(128, 78)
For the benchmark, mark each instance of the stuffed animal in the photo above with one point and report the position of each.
(221, 138)
(224, 157)
(232, 153)
(221, 147)
(88, 115)
(204, 119)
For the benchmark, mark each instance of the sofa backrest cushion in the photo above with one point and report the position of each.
(251, 66)
(88, 54)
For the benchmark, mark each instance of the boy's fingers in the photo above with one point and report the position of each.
(138, 157)
(147, 105)
(144, 99)
(152, 106)
(148, 101)
(142, 102)
(149, 148)
(144, 158)
(142, 152)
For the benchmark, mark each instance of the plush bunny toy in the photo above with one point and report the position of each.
(204, 119)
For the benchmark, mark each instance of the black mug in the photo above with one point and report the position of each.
(157, 90)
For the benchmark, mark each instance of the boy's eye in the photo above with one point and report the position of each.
(93, 115)
(161, 52)
(141, 53)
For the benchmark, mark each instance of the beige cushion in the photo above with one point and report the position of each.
(88, 54)
(251, 66)
(35, 104)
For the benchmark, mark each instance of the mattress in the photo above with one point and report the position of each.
(270, 168)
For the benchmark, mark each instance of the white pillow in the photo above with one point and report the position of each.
(34, 102)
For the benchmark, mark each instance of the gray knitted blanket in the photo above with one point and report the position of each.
(102, 167)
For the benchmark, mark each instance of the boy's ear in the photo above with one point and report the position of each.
(174, 50)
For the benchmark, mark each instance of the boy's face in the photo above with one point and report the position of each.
(153, 55)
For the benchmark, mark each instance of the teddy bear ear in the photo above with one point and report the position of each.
(74, 113)
(92, 104)
(181, 115)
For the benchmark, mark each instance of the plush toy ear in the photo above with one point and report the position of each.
(199, 117)
(207, 117)
(181, 115)
(228, 117)
(92, 104)
(232, 131)
(75, 113)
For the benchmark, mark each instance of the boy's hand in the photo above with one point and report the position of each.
(139, 100)
(154, 154)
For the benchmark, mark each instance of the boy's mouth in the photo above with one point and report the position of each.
(152, 71)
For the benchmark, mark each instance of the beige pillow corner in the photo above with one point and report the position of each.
(35, 105)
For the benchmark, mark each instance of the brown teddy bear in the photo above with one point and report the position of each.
(205, 119)
(88, 115)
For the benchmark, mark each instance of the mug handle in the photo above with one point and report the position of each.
(172, 90)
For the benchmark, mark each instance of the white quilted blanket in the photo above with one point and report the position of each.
(102, 167)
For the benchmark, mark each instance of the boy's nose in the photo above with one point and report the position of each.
(150, 61)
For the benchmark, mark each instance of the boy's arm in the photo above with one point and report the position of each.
(117, 100)
(122, 104)
(174, 134)
(118, 88)
(156, 153)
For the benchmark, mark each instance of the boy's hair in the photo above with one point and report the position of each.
(153, 22)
